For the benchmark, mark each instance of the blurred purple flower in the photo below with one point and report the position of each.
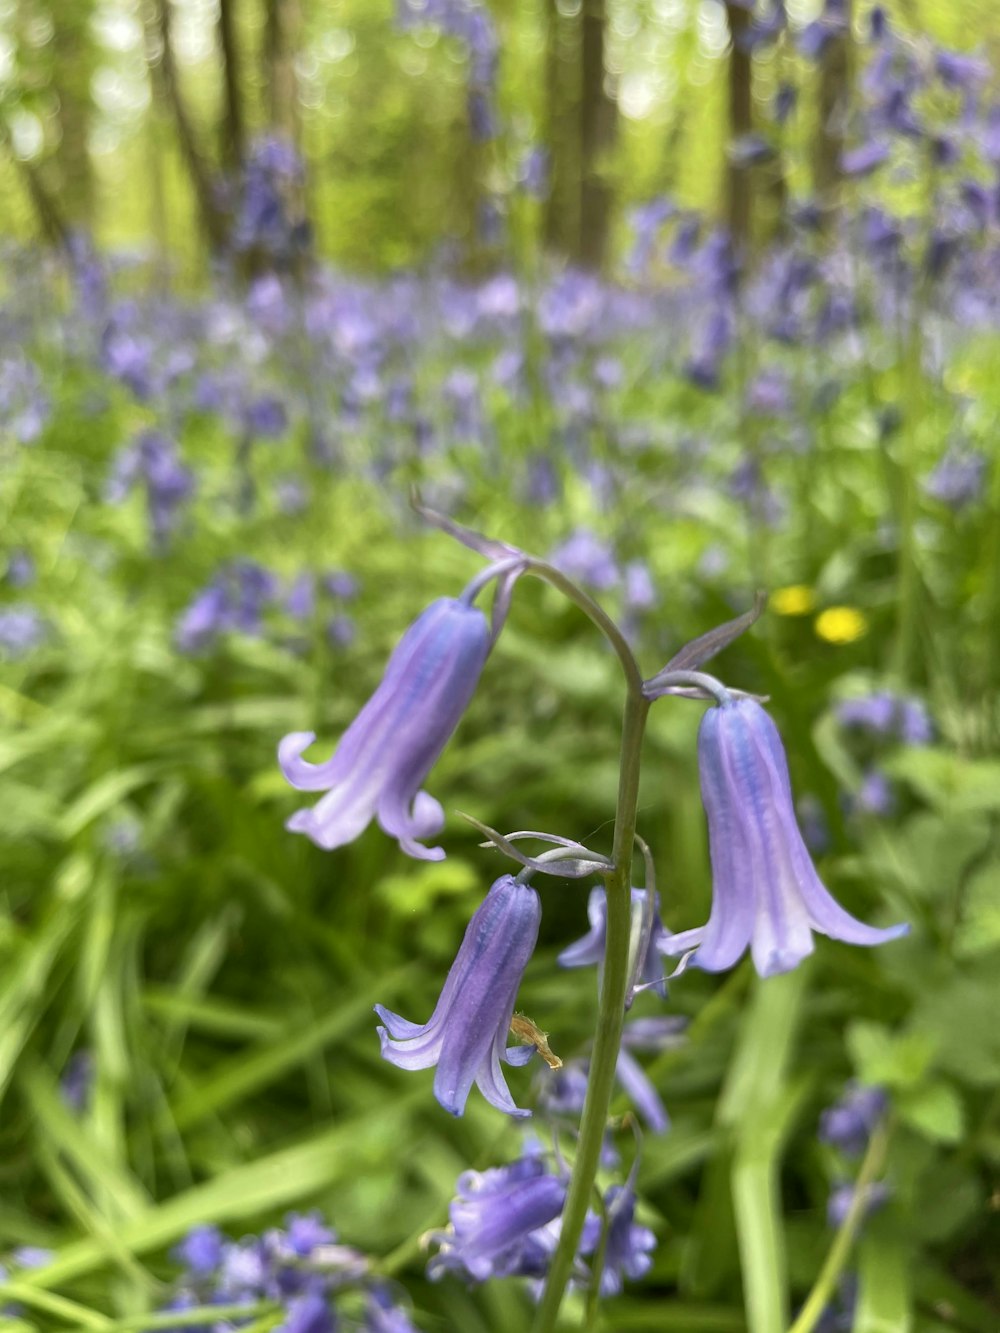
(876, 1196)
(22, 629)
(466, 1035)
(629, 1246)
(496, 1220)
(864, 159)
(958, 479)
(848, 1124)
(588, 558)
(77, 1081)
(589, 951)
(875, 796)
(200, 1251)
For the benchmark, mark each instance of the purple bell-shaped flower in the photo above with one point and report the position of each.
(390, 747)
(765, 890)
(466, 1035)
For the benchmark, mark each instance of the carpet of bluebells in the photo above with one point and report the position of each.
(208, 543)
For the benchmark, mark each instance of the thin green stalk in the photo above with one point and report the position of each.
(610, 1018)
(80, 1316)
(840, 1251)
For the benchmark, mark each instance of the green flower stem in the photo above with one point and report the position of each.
(633, 676)
(610, 1018)
(840, 1251)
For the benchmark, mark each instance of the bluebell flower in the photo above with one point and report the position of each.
(20, 569)
(154, 460)
(958, 479)
(848, 1124)
(640, 590)
(766, 893)
(629, 1246)
(864, 159)
(310, 1313)
(638, 1087)
(875, 796)
(496, 1222)
(77, 1081)
(201, 1250)
(876, 1196)
(466, 1035)
(563, 1091)
(383, 1315)
(589, 950)
(22, 629)
(391, 746)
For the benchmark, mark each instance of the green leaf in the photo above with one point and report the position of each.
(935, 1110)
(894, 1060)
(885, 1303)
(948, 781)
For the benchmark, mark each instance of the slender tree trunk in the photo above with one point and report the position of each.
(562, 207)
(233, 123)
(834, 100)
(282, 34)
(210, 212)
(72, 68)
(739, 197)
(51, 223)
(597, 135)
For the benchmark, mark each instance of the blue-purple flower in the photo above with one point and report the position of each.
(466, 1035)
(849, 1123)
(590, 948)
(497, 1222)
(766, 892)
(386, 753)
(629, 1246)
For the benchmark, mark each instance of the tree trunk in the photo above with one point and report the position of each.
(72, 67)
(281, 40)
(834, 100)
(597, 135)
(562, 207)
(51, 223)
(210, 212)
(739, 198)
(233, 123)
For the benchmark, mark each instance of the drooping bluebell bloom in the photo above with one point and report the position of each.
(383, 1315)
(77, 1081)
(495, 1221)
(875, 796)
(391, 746)
(848, 1124)
(638, 1087)
(885, 714)
(657, 1033)
(864, 159)
(628, 1252)
(589, 950)
(200, 1251)
(958, 479)
(466, 1035)
(766, 893)
(876, 1196)
(587, 557)
(22, 629)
